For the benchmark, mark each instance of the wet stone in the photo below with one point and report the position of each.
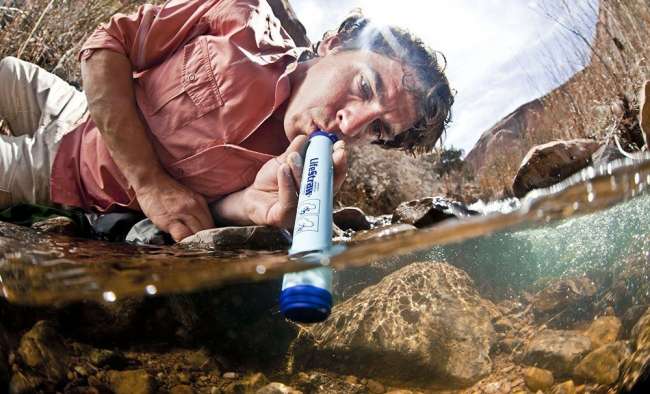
(107, 358)
(248, 384)
(375, 387)
(181, 389)
(636, 368)
(57, 225)
(43, 352)
(567, 387)
(277, 388)
(631, 317)
(603, 331)
(380, 232)
(602, 365)
(23, 384)
(130, 382)
(351, 218)
(556, 350)
(429, 211)
(569, 296)
(538, 378)
(397, 329)
(4, 359)
(248, 237)
(550, 163)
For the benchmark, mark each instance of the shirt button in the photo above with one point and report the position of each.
(191, 77)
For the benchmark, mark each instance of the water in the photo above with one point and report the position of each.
(511, 246)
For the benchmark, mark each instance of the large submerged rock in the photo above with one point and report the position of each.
(557, 351)
(423, 325)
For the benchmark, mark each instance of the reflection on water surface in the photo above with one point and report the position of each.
(544, 236)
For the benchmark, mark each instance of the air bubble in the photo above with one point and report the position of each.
(151, 289)
(109, 296)
(576, 206)
(260, 269)
(637, 178)
(591, 196)
(612, 183)
(591, 172)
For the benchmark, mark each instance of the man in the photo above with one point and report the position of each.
(198, 102)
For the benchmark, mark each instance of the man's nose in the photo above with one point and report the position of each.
(353, 120)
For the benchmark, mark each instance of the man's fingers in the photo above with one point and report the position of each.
(340, 162)
(295, 162)
(192, 223)
(178, 230)
(297, 144)
(287, 198)
(204, 215)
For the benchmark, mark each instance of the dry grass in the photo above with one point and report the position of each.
(50, 32)
(600, 102)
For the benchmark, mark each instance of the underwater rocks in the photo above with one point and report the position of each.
(351, 218)
(130, 382)
(42, 357)
(602, 365)
(557, 351)
(422, 325)
(550, 163)
(429, 211)
(564, 299)
(4, 356)
(538, 379)
(248, 237)
(635, 371)
(603, 331)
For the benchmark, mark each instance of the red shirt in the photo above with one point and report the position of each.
(208, 75)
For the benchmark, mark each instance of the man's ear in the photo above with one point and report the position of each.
(329, 44)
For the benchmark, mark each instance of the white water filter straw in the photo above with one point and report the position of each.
(306, 296)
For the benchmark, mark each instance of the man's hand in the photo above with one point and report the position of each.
(171, 206)
(174, 208)
(273, 197)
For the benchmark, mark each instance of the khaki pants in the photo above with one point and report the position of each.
(39, 108)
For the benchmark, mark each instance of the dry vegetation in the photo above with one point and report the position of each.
(50, 32)
(600, 102)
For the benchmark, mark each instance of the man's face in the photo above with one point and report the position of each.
(355, 94)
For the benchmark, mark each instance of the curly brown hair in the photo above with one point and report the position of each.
(429, 84)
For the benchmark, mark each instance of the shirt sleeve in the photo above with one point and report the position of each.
(151, 34)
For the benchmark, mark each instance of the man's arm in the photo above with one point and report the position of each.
(172, 207)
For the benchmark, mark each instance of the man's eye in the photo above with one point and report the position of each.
(366, 91)
(377, 129)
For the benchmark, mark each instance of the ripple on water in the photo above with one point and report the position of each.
(582, 222)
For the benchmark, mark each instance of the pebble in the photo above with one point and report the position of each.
(375, 387)
(508, 369)
(93, 381)
(567, 387)
(183, 377)
(81, 370)
(603, 331)
(214, 390)
(352, 379)
(181, 389)
(229, 375)
(538, 378)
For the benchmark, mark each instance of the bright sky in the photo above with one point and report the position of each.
(500, 53)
